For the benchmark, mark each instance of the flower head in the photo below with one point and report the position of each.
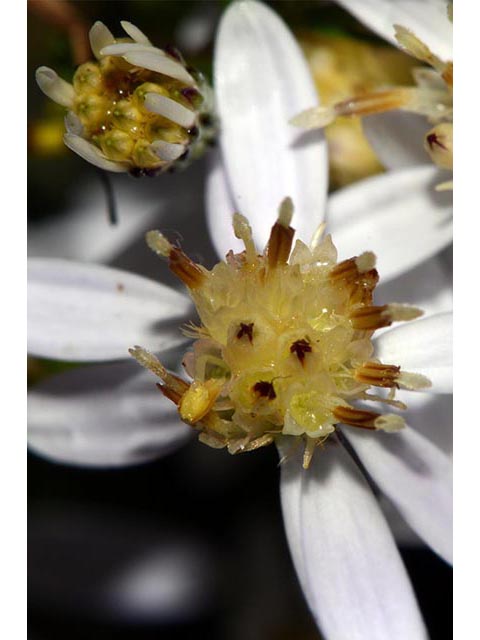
(432, 97)
(284, 346)
(135, 108)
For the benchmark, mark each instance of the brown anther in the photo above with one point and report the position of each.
(370, 318)
(246, 329)
(362, 284)
(377, 374)
(356, 417)
(375, 102)
(433, 139)
(447, 74)
(300, 348)
(169, 393)
(184, 268)
(279, 244)
(264, 390)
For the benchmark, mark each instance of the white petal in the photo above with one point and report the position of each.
(160, 63)
(86, 312)
(54, 87)
(73, 124)
(397, 215)
(422, 346)
(221, 207)
(357, 585)
(416, 476)
(167, 151)
(397, 138)
(82, 231)
(426, 18)
(107, 415)
(134, 32)
(121, 48)
(261, 81)
(92, 154)
(100, 37)
(170, 109)
(428, 287)
(431, 415)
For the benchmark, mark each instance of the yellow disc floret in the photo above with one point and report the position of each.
(284, 345)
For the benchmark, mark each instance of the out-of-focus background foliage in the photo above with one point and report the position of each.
(191, 546)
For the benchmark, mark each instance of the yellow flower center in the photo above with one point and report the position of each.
(284, 345)
(110, 103)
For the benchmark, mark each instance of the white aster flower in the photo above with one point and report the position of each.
(137, 108)
(108, 414)
(398, 120)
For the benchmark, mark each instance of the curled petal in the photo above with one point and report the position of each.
(92, 154)
(54, 87)
(100, 37)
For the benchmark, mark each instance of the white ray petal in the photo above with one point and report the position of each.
(426, 18)
(422, 346)
(416, 476)
(73, 124)
(167, 151)
(134, 32)
(357, 585)
(86, 312)
(170, 109)
(122, 48)
(397, 215)
(261, 81)
(160, 63)
(431, 415)
(92, 154)
(220, 208)
(100, 37)
(103, 415)
(54, 87)
(428, 287)
(397, 138)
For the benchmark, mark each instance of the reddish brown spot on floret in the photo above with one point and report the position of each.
(264, 389)
(246, 329)
(300, 348)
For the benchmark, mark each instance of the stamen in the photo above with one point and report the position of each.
(377, 374)
(389, 422)
(179, 263)
(244, 445)
(243, 231)
(149, 361)
(356, 417)
(375, 102)
(308, 453)
(370, 318)
(281, 236)
(198, 400)
(366, 261)
(415, 47)
(413, 381)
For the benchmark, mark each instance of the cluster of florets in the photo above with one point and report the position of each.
(136, 108)
(284, 346)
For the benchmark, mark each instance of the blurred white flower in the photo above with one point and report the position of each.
(398, 120)
(111, 414)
